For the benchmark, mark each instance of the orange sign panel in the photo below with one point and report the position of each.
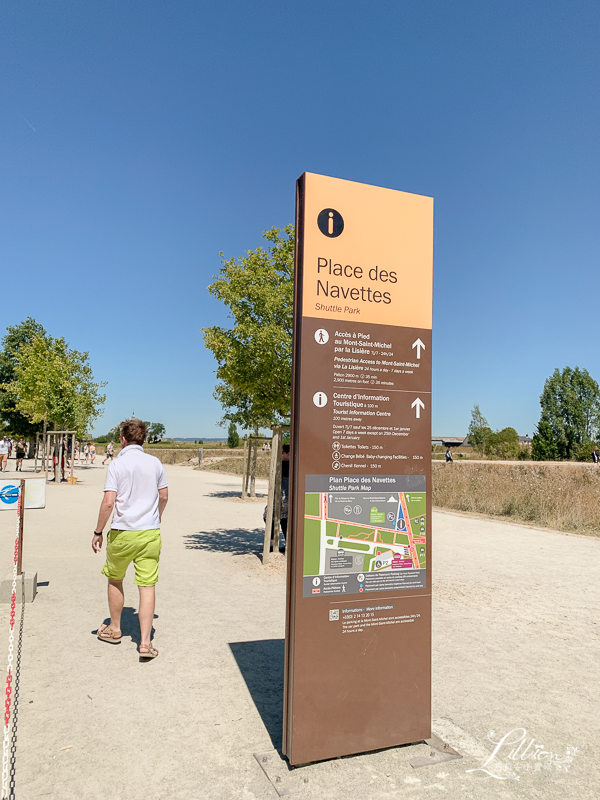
(368, 253)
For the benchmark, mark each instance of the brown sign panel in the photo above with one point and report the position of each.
(358, 638)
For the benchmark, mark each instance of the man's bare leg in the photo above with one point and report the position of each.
(146, 613)
(116, 599)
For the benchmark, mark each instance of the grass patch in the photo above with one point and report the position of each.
(565, 497)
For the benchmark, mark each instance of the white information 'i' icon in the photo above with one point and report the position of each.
(321, 336)
(320, 399)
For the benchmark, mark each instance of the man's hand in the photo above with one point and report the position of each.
(106, 508)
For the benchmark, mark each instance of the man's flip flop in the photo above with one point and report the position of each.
(106, 634)
(151, 651)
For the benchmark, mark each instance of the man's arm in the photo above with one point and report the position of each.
(106, 509)
(163, 499)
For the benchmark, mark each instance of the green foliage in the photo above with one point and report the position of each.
(233, 437)
(583, 452)
(156, 430)
(504, 444)
(570, 414)
(54, 383)
(479, 431)
(254, 357)
(113, 435)
(525, 453)
(543, 444)
(16, 337)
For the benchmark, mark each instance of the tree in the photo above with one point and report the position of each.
(254, 357)
(479, 430)
(570, 416)
(156, 430)
(54, 383)
(543, 444)
(233, 437)
(504, 444)
(16, 337)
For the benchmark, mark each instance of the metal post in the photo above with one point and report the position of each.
(21, 518)
(37, 439)
(200, 456)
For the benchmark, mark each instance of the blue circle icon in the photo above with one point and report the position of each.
(9, 494)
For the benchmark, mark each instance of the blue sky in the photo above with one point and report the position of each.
(139, 139)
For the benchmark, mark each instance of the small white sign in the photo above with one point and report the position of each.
(35, 493)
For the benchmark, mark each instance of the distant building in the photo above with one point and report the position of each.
(450, 441)
(525, 439)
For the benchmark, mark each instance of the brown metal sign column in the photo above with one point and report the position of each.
(358, 638)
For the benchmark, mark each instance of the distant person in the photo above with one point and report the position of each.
(56, 450)
(92, 452)
(5, 448)
(595, 455)
(110, 453)
(285, 494)
(136, 488)
(20, 454)
(68, 448)
(86, 452)
(77, 456)
(285, 490)
(449, 456)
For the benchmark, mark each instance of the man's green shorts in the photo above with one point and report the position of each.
(141, 547)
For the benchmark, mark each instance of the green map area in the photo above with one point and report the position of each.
(362, 533)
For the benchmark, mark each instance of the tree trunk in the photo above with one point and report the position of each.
(56, 450)
(254, 457)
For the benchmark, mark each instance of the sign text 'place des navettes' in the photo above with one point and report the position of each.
(358, 641)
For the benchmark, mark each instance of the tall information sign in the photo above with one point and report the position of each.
(358, 639)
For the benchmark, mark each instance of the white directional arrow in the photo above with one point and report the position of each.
(418, 344)
(419, 405)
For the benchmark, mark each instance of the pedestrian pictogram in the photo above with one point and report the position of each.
(321, 336)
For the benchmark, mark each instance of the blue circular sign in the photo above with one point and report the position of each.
(9, 494)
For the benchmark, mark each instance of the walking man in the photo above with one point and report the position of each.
(136, 488)
(110, 451)
(5, 448)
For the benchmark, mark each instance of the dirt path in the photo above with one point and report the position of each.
(516, 644)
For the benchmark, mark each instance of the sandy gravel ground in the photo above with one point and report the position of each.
(515, 643)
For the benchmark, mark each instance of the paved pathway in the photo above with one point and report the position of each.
(516, 644)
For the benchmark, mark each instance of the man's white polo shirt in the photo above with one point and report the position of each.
(136, 477)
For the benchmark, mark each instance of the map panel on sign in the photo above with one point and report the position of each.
(354, 529)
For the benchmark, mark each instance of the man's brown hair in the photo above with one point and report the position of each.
(134, 430)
